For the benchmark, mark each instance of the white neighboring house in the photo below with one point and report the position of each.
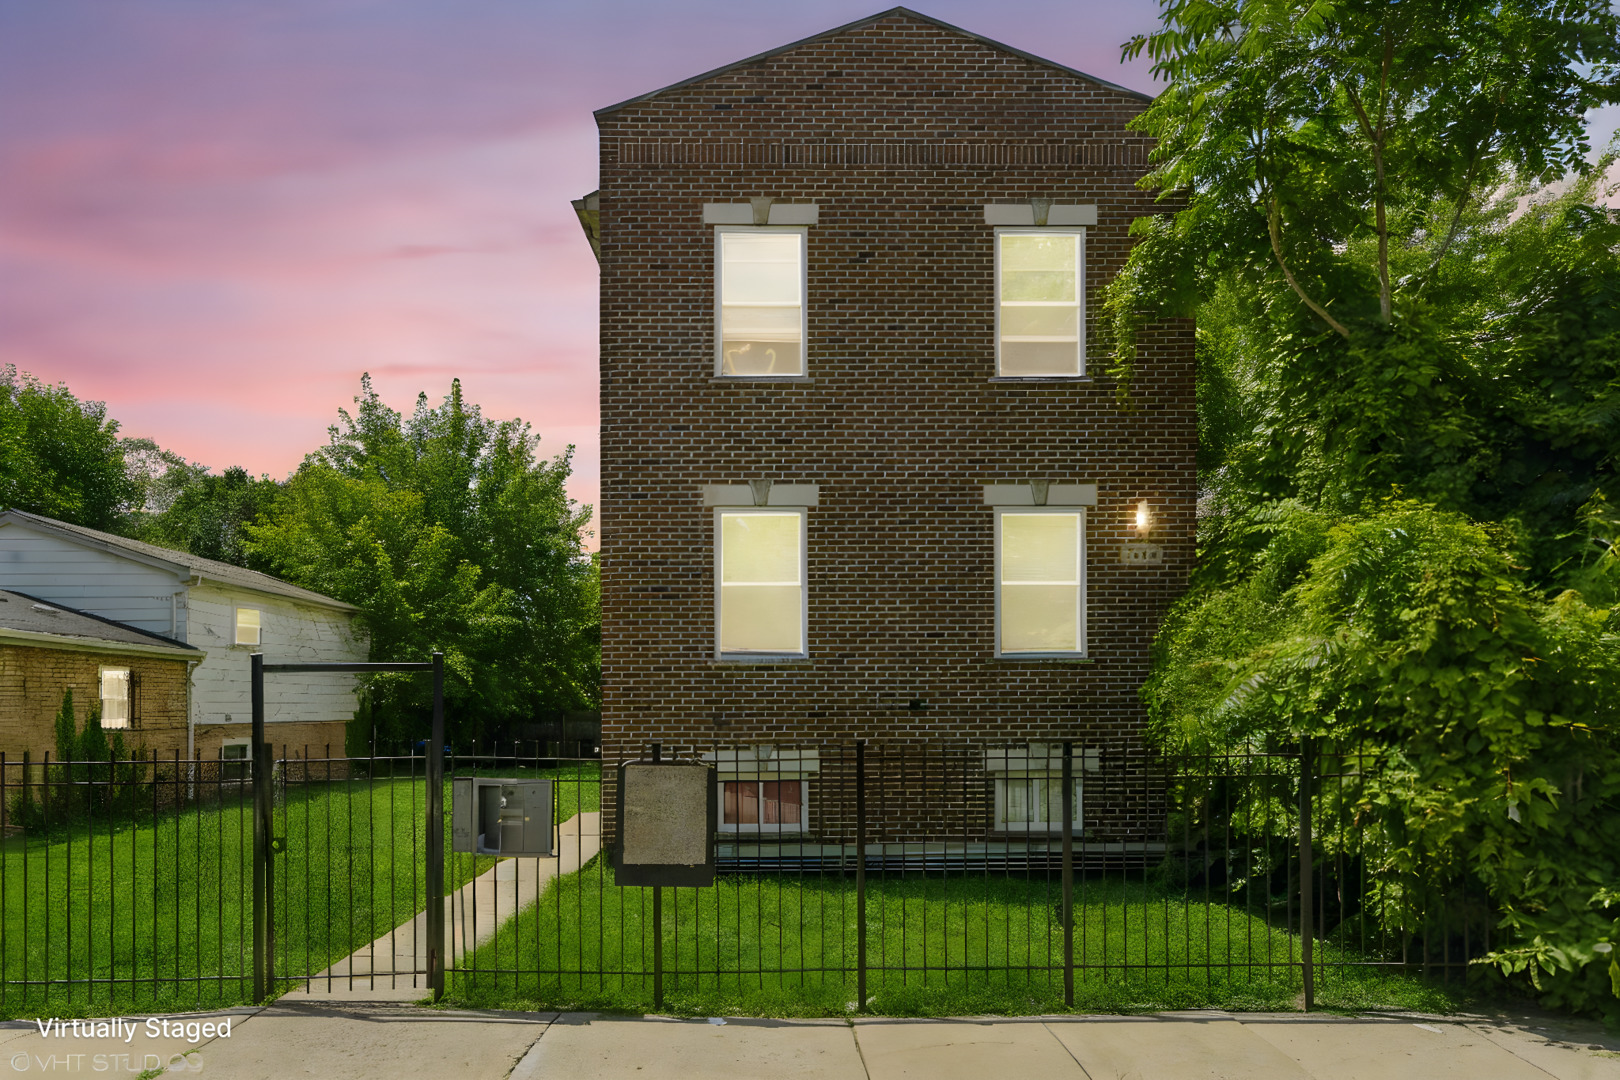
(224, 610)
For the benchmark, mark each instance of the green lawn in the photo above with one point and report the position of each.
(166, 900)
(785, 946)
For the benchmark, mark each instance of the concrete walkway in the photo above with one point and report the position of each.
(394, 967)
(335, 1040)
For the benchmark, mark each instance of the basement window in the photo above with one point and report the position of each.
(765, 789)
(1033, 804)
(762, 806)
(1028, 784)
(234, 763)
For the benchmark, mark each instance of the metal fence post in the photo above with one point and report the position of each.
(1307, 765)
(1068, 875)
(658, 921)
(433, 878)
(860, 874)
(261, 827)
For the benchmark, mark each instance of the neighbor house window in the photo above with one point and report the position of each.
(1033, 803)
(759, 285)
(247, 626)
(1040, 582)
(234, 763)
(115, 697)
(760, 594)
(1040, 302)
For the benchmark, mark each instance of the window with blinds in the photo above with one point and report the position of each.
(760, 284)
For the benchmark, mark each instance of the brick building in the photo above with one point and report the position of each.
(862, 477)
(136, 680)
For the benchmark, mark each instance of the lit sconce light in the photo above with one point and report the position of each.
(1144, 519)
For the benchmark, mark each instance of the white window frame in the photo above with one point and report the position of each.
(1080, 596)
(123, 723)
(803, 514)
(1079, 232)
(1041, 824)
(763, 828)
(719, 294)
(228, 764)
(258, 630)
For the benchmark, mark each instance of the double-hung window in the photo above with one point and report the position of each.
(248, 624)
(1040, 581)
(1040, 302)
(760, 590)
(759, 288)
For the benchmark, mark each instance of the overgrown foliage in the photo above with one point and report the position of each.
(1497, 395)
(1490, 714)
(93, 775)
(1297, 131)
(447, 533)
(1383, 309)
(59, 456)
(207, 513)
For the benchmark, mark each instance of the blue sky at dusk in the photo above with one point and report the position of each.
(215, 214)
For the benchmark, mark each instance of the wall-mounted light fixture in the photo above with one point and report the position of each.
(1144, 519)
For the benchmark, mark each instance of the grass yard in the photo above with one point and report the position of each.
(786, 946)
(165, 901)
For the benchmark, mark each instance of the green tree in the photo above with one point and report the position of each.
(447, 532)
(60, 456)
(1500, 398)
(1382, 304)
(205, 513)
(1297, 132)
(1485, 720)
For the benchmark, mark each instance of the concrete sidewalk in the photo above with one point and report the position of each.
(394, 967)
(334, 1041)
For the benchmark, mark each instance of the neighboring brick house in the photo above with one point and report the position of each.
(222, 611)
(137, 680)
(862, 476)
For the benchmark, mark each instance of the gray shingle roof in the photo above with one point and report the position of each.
(209, 569)
(19, 611)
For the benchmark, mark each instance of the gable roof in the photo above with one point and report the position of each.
(212, 570)
(903, 12)
(28, 620)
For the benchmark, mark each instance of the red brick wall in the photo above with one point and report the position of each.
(900, 131)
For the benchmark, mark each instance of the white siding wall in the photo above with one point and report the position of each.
(290, 632)
(92, 580)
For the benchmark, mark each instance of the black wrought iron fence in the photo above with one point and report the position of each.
(848, 871)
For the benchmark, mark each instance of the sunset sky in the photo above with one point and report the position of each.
(215, 214)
